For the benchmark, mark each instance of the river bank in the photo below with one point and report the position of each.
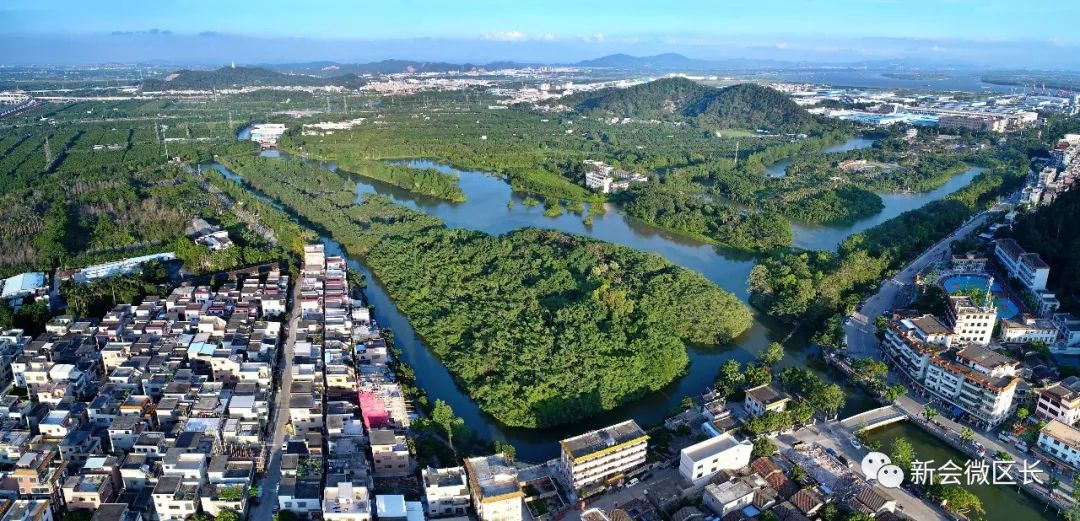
(485, 209)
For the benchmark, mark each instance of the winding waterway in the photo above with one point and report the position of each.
(486, 210)
(779, 168)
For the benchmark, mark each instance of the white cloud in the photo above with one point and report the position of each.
(504, 36)
(593, 38)
(781, 45)
(548, 37)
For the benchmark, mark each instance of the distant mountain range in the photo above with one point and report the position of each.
(745, 106)
(231, 77)
(328, 68)
(349, 74)
(659, 62)
(673, 61)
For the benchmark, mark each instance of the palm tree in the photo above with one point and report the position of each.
(929, 413)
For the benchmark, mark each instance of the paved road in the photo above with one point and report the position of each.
(280, 416)
(611, 500)
(837, 437)
(859, 327)
(914, 405)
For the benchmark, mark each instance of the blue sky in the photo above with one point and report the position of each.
(828, 30)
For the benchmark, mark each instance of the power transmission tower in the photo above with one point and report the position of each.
(345, 102)
(736, 155)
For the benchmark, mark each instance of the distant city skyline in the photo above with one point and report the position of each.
(988, 33)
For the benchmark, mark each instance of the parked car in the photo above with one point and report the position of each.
(855, 442)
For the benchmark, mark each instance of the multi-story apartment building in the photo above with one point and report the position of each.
(1028, 268)
(1062, 443)
(911, 342)
(496, 491)
(971, 321)
(976, 380)
(446, 492)
(39, 475)
(175, 500)
(1027, 328)
(603, 455)
(972, 378)
(389, 452)
(89, 491)
(1060, 401)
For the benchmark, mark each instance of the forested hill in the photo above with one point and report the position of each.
(1051, 232)
(744, 106)
(233, 77)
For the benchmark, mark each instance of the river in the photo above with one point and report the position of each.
(822, 237)
(1001, 502)
(486, 210)
(779, 168)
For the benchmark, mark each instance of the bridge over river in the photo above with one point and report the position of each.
(874, 418)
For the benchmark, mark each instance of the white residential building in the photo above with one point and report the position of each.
(1028, 268)
(1027, 328)
(973, 379)
(598, 456)
(446, 491)
(1060, 401)
(1062, 442)
(972, 321)
(1068, 328)
(175, 500)
(346, 502)
(911, 342)
(703, 460)
(976, 380)
(727, 497)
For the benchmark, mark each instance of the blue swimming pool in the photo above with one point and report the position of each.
(1005, 306)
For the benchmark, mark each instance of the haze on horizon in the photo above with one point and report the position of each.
(928, 33)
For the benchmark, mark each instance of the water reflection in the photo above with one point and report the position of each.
(486, 210)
